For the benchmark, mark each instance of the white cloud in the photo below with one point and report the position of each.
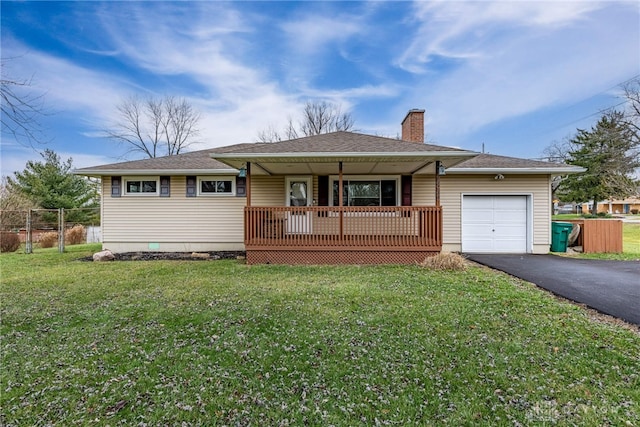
(66, 86)
(310, 34)
(473, 29)
(518, 57)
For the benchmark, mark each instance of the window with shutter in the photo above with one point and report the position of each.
(367, 191)
(141, 186)
(216, 186)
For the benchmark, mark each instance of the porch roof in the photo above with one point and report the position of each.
(491, 163)
(359, 153)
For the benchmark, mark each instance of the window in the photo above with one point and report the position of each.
(366, 192)
(140, 186)
(211, 186)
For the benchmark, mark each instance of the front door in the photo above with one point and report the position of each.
(298, 192)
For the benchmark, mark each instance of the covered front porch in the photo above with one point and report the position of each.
(346, 198)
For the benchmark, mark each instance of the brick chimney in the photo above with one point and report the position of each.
(413, 126)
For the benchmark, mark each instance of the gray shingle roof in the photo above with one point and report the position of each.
(194, 160)
(483, 161)
(341, 142)
(336, 142)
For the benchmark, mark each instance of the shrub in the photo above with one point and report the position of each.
(600, 215)
(49, 240)
(75, 235)
(445, 262)
(635, 211)
(9, 242)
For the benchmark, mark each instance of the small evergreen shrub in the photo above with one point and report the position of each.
(9, 242)
(49, 240)
(75, 235)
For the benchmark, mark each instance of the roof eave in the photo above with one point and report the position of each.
(527, 171)
(151, 172)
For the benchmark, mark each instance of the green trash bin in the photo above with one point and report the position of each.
(560, 235)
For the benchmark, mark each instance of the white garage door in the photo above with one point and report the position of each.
(494, 224)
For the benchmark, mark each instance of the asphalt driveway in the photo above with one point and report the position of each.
(612, 287)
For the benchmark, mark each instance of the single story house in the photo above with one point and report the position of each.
(630, 205)
(340, 197)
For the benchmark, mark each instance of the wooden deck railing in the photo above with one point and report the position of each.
(398, 228)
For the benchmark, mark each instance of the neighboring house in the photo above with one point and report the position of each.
(341, 197)
(630, 205)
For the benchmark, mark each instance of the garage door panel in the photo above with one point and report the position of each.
(480, 232)
(510, 217)
(516, 203)
(494, 224)
(510, 231)
(481, 220)
(478, 202)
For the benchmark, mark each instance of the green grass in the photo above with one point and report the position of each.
(222, 343)
(565, 216)
(631, 238)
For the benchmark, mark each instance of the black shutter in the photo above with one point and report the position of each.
(165, 186)
(323, 191)
(406, 190)
(192, 184)
(116, 186)
(241, 187)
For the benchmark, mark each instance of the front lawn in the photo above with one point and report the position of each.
(222, 343)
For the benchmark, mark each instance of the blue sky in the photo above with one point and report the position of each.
(514, 76)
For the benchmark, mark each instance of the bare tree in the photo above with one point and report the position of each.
(317, 118)
(557, 152)
(12, 199)
(631, 90)
(155, 127)
(20, 109)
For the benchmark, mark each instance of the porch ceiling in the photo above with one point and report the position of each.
(328, 164)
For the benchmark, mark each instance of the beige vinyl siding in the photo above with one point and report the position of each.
(537, 186)
(267, 190)
(423, 191)
(185, 223)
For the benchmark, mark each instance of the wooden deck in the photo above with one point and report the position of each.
(342, 235)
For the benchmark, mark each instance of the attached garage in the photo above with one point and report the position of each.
(496, 223)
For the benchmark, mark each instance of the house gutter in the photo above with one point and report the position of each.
(148, 172)
(527, 171)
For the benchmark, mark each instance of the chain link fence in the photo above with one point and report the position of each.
(45, 228)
